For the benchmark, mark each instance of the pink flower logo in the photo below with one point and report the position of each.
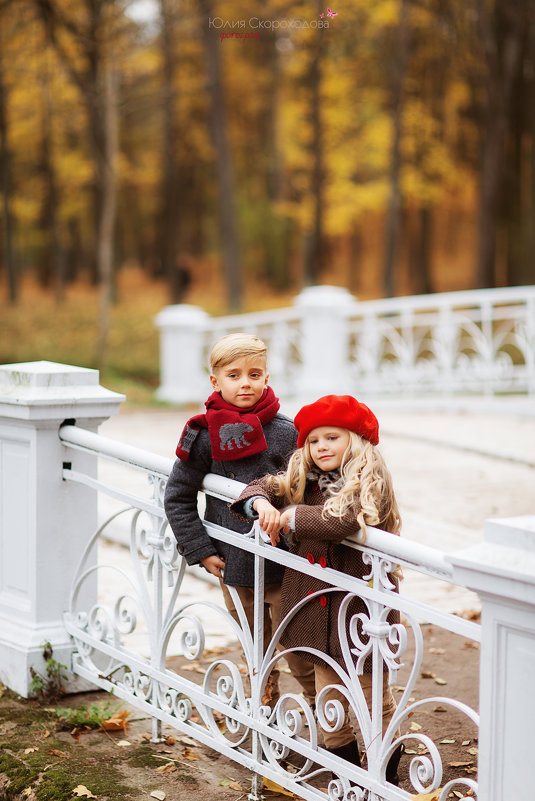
(332, 13)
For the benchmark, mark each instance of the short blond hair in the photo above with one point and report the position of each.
(236, 346)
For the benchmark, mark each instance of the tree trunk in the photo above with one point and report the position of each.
(53, 261)
(5, 179)
(106, 222)
(169, 219)
(394, 203)
(227, 211)
(314, 256)
(502, 57)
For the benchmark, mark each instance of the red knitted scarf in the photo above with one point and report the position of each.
(234, 433)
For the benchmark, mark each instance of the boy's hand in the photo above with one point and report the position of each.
(214, 564)
(268, 518)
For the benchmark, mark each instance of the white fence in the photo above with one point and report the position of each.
(479, 342)
(49, 591)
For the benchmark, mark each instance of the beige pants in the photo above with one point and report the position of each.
(325, 676)
(302, 670)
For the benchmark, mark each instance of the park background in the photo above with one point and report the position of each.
(145, 159)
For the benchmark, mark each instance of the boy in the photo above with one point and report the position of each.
(242, 437)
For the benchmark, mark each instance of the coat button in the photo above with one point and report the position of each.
(232, 475)
(323, 561)
(323, 600)
(310, 557)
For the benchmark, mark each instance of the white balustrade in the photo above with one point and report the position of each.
(48, 591)
(44, 523)
(477, 342)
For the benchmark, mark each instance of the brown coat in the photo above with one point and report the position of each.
(318, 540)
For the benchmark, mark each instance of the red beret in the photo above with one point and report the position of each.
(342, 411)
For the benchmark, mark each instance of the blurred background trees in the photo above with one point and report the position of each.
(392, 152)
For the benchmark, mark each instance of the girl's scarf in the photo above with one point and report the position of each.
(328, 482)
(234, 433)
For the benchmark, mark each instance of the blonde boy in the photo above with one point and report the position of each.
(241, 436)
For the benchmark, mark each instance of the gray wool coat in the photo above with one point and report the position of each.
(319, 541)
(185, 482)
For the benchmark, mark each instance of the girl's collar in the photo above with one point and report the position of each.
(330, 481)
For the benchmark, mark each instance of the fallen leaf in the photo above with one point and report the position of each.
(187, 740)
(440, 709)
(433, 796)
(470, 644)
(30, 750)
(415, 726)
(275, 788)
(447, 741)
(170, 740)
(474, 751)
(189, 754)
(471, 769)
(440, 681)
(123, 743)
(45, 735)
(169, 767)
(146, 736)
(466, 742)
(58, 753)
(118, 722)
(192, 666)
(75, 734)
(459, 764)
(232, 785)
(426, 674)
(159, 794)
(437, 650)
(81, 790)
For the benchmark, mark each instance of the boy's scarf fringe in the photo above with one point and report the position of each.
(234, 433)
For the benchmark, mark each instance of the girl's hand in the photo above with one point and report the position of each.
(268, 518)
(287, 518)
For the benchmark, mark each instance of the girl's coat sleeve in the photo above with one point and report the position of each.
(311, 523)
(258, 487)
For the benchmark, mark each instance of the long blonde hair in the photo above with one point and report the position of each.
(366, 480)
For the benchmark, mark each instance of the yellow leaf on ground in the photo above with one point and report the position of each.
(169, 767)
(275, 788)
(433, 796)
(187, 740)
(415, 726)
(81, 790)
(118, 722)
(158, 794)
(189, 754)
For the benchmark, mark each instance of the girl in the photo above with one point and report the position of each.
(337, 483)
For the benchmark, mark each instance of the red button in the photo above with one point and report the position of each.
(323, 600)
(323, 561)
(310, 558)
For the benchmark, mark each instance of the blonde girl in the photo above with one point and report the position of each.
(337, 483)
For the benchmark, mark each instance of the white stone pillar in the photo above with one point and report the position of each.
(325, 341)
(183, 376)
(45, 522)
(501, 570)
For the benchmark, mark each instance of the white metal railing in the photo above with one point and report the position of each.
(258, 737)
(477, 342)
